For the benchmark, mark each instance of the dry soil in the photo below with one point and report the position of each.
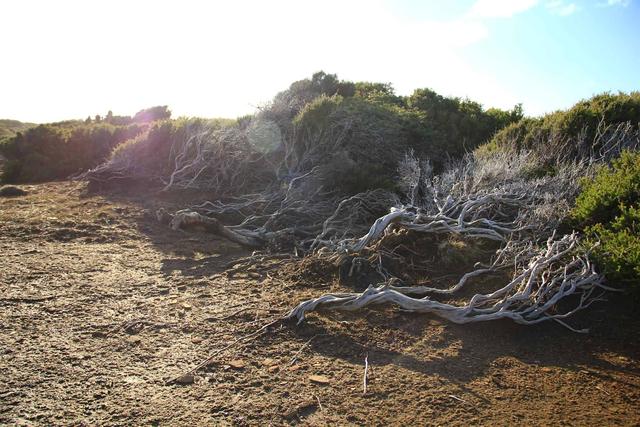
(100, 306)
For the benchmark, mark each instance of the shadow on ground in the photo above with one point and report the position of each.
(614, 325)
(193, 254)
(470, 350)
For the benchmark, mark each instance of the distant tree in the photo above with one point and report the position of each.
(517, 113)
(152, 114)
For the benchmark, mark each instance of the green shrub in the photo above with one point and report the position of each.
(612, 187)
(357, 142)
(453, 125)
(57, 150)
(459, 125)
(364, 136)
(577, 124)
(316, 116)
(150, 153)
(382, 93)
(288, 103)
(608, 209)
(619, 251)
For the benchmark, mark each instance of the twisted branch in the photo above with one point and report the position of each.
(541, 281)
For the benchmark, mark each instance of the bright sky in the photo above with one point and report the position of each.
(69, 59)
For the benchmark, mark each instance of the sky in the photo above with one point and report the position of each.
(68, 59)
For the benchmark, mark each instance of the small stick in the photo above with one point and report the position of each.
(319, 404)
(364, 378)
(295, 356)
(235, 313)
(457, 398)
(28, 300)
(244, 338)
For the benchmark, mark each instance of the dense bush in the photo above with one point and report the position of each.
(459, 125)
(212, 154)
(615, 186)
(149, 151)
(382, 93)
(57, 150)
(354, 132)
(151, 155)
(606, 210)
(619, 251)
(356, 142)
(288, 103)
(351, 135)
(454, 125)
(578, 124)
(360, 136)
(609, 210)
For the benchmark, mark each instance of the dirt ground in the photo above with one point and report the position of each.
(100, 306)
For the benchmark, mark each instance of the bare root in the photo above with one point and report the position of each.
(540, 282)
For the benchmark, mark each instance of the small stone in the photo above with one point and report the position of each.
(237, 364)
(186, 379)
(268, 362)
(319, 379)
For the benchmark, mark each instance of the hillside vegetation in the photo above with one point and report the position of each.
(389, 189)
(9, 128)
(577, 127)
(57, 150)
(352, 134)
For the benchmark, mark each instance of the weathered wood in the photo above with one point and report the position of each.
(186, 218)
